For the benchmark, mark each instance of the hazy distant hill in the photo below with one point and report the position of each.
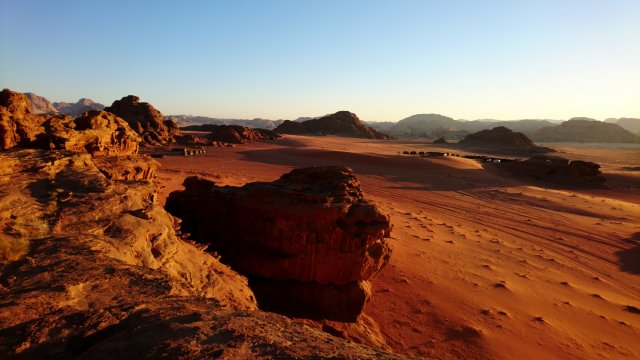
(433, 126)
(187, 120)
(40, 104)
(630, 124)
(429, 126)
(586, 130)
(76, 109)
(380, 125)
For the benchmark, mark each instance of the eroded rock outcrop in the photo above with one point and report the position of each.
(308, 241)
(18, 124)
(559, 170)
(146, 120)
(95, 132)
(104, 275)
(342, 123)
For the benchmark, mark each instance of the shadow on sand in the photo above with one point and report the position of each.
(630, 258)
(428, 173)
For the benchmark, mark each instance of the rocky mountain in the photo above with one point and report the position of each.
(502, 139)
(342, 123)
(586, 130)
(630, 124)
(40, 104)
(78, 108)
(146, 120)
(234, 134)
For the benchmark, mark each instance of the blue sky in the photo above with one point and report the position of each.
(383, 60)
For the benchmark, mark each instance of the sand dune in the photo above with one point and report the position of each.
(483, 265)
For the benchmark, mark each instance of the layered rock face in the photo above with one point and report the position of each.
(92, 268)
(559, 170)
(144, 119)
(95, 132)
(342, 123)
(308, 241)
(235, 134)
(503, 139)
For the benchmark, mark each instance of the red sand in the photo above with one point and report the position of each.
(483, 266)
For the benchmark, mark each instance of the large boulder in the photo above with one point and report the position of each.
(309, 238)
(342, 123)
(146, 120)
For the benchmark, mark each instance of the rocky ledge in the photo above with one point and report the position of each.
(93, 268)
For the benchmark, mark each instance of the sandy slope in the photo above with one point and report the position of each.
(484, 266)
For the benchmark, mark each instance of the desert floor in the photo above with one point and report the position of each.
(483, 265)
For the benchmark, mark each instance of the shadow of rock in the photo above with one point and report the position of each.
(630, 258)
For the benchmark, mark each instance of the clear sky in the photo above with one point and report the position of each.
(383, 60)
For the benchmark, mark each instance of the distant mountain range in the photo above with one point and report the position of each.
(41, 105)
(586, 130)
(426, 126)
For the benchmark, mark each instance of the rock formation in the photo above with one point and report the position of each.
(502, 139)
(440, 141)
(145, 120)
(342, 123)
(559, 170)
(40, 104)
(234, 134)
(92, 268)
(95, 133)
(78, 108)
(292, 128)
(586, 130)
(18, 124)
(307, 241)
